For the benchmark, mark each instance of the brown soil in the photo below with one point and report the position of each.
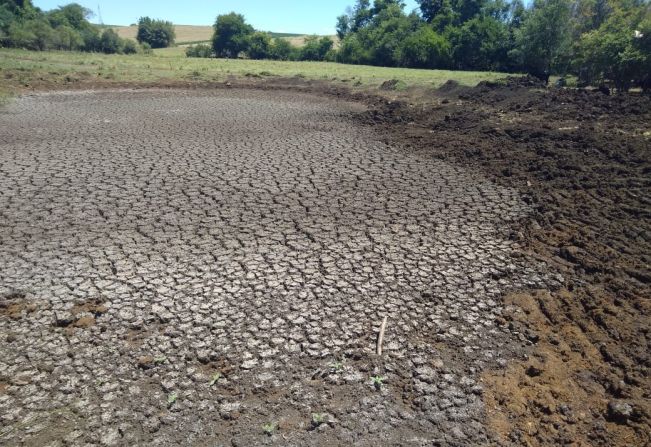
(15, 306)
(583, 161)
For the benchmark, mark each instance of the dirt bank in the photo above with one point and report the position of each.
(583, 160)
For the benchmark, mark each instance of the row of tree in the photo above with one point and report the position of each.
(65, 28)
(598, 40)
(234, 37)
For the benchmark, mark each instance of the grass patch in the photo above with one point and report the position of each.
(5, 97)
(21, 68)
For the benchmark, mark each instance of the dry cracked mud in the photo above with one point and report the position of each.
(212, 267)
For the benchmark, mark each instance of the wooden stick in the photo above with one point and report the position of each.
(380, 338)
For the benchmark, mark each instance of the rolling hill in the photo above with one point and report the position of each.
(189, 34)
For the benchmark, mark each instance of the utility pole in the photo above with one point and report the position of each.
(99, 15)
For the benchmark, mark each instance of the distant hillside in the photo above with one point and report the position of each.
(184, 33)
(189, 34)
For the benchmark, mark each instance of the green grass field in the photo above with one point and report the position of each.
(20, 69)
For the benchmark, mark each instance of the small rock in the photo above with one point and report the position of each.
(619, 412)
(533, 371)
(63, 319)
(146, 362)
(249, 364)
(570, 253)
(110, 436)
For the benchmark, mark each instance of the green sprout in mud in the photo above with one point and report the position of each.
(337, 366)
(215, 379)
(270, 428)
(378, 381)
(172, 398)
(318, 418)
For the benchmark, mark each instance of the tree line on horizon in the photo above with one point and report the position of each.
(233, 37)
(596, 40)
(599, 41)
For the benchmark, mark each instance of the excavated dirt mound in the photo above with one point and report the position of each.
(582, 159)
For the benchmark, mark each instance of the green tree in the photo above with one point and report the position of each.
(67, 38)
(481, 43)
(110, 42)
(425, 48)
(353, 51)
(315, 48)
(259, 45)
(72, 15)
(429, 9)
(19, 36)
(342, 27)
(157, 33)
(282, 50)
(45, 35)
(542, 44)
(231, 34)
(6, 17)
(619, 50)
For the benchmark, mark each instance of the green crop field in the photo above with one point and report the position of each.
(20, 69)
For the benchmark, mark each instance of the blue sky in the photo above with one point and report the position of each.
(290, 16)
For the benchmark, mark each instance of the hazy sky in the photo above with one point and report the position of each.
(291, 16)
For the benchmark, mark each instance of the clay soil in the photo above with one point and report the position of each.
(583, 160)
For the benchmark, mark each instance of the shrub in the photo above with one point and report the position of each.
(129, 47)
(200, 50)
(146, 48)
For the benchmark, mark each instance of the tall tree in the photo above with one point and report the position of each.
(156, 33)
(431, 8)
(543, 41)
(231, 35)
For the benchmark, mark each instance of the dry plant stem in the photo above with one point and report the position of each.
(380, 338)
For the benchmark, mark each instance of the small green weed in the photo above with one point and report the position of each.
(378, 381)
(270, 428)
(337, 366)
(318, 418)
(215, 379)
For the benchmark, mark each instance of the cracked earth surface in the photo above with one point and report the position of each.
(211, 268)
